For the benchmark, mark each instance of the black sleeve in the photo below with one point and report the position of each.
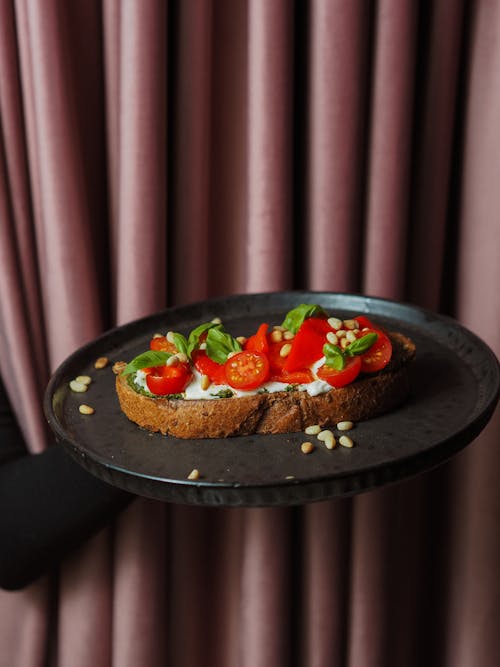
(48, 506)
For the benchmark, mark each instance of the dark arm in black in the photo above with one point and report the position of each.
(48, 506)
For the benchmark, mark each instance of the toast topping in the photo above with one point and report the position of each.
(310, 351)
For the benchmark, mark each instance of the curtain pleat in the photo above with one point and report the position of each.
(323, 588)
(265, 616)
(140, 255)
(139, 592)
(61, 209)
(85, 599)
(389, 150)
(475, 537)
(431, 242)
(189, 140)
(159, 153)
(339, 39)
(270, 143)
(20, 306)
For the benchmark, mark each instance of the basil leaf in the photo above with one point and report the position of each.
(295, 317)
(334, 357)
(180, 343)
(195, 335)
(146, 360)
(220, 344)
(361, 345)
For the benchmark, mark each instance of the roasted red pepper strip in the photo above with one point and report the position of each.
(258, 342)
(307, 346)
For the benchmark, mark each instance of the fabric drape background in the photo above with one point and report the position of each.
(156, 153)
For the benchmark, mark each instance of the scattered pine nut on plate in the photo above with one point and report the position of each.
(346, 441)
(307, 447)
(86, 409)
(84, 379)
(345, 426)
(77, 387)
(101, 362)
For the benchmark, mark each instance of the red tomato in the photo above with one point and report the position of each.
(247, 370)
(163, 380)
(258, 342)
(335, 378)
(307, 346)
(295, 377)
(365, 323)
(379, 355)
(207, 366)
(161, 344)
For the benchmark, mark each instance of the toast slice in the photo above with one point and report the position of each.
(278, 412)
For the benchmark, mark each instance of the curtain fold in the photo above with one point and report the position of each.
(337, 95)
(154, 154)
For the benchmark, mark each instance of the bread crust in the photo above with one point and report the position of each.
(278, 412)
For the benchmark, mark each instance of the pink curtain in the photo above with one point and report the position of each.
(154, 154)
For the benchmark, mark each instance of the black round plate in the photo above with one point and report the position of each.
(455, 387)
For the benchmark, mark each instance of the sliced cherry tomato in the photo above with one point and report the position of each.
(307, 346)
(335, 378)
(163, 380)
(247, 370)
(207, 366)
(161, 344)
(258, 342)
(379, 355)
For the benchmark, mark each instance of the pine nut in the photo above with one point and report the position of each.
(241, 340)
(194, 474)
(307, 447)
(118, 367)
(346, 441)
(84, 379)
(203, 346)
(314, 429)
(278, 327)
(170, 337)
(350, 336)
(335, 323)
(157, 335)
(77, 387)
(285, 350)
(173, 360)
(345, 426)
(328, 438)
(351, 324)
(101, 362)
(341, 333)
(182, 357)
(216, 320)
(86, 409)
(344, 343)
(332, 338)
(288, 335)
(277, 336)
(205, 382)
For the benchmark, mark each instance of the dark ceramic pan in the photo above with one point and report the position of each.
(455, 387)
